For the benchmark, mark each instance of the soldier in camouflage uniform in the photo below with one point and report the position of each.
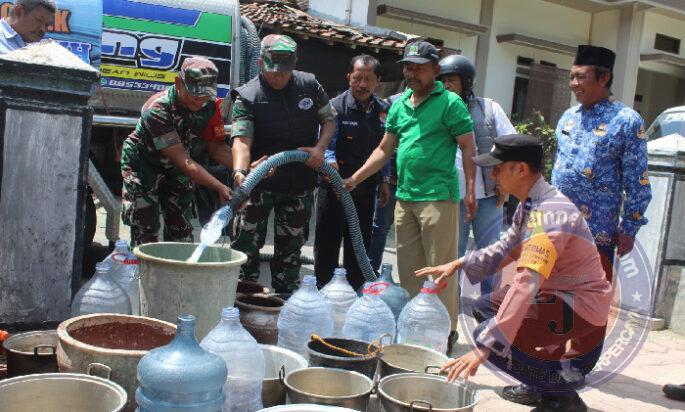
(279, 110)
(155, 163)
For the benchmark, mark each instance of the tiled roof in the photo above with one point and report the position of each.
(287, 16)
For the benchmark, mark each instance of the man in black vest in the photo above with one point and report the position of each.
(279, 110)
(359, 129)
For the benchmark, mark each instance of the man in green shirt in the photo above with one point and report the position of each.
(425, 125)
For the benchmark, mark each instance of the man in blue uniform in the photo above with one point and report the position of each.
(360, 126)
(601, 156)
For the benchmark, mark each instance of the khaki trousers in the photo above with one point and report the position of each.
(426, 234)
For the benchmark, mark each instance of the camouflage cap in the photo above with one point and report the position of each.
(199, 76)
(278, 53)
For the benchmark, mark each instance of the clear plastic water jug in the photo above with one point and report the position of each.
(101, 294)
(126, 274)
(369, 317)
(424, 321)
(395, 296)
(304, 313)
(244, 360)
(341, 296)
(181, 376)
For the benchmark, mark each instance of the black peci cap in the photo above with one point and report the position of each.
(594, 56)
(512, 148)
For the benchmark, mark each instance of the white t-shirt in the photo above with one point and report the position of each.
(504, 127)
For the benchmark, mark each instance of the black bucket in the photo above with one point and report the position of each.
(325, 356)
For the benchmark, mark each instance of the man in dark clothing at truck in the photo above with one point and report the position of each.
(359, 129)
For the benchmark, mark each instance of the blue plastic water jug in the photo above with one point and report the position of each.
(181, 376)
(395, 296)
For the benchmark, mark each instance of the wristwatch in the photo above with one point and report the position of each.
(241, 171)
(386, 179)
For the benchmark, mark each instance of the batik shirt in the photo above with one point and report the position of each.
(602, 154)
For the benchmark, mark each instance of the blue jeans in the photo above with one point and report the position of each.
(382, 220)
(486, 230)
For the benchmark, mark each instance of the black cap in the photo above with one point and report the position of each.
(594, 56)
(512, 148)
(420, 52)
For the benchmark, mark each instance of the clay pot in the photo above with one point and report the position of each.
(116, 341)
(259, 315)
(245, 287)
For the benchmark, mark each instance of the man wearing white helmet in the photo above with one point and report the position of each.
(489, 121)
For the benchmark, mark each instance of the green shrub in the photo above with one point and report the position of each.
(535, 125)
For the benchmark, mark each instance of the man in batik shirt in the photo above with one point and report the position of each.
(602, 155)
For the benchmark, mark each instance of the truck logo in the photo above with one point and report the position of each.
(147, 51)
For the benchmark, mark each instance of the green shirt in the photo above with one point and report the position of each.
(427, 144)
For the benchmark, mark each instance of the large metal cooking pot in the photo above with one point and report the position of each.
(305, 407)
(325, 356)
(61, 392)
(278, 361)
(31, 352)
(402, 358)
(409, 392)
(328, 386)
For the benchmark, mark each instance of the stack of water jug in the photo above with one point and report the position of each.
(222, 373)
(225, 371)
(115, 287)
(384, 308)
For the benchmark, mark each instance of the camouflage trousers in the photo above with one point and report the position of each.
(146, 191)
(291, 217)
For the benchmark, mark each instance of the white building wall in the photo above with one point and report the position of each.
(464, 10)
(543, 20)
(337, 10)
(551, 22)
(657, 23)
(604, 31)
(452, 39)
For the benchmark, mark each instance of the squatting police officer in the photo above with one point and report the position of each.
(547, 327)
